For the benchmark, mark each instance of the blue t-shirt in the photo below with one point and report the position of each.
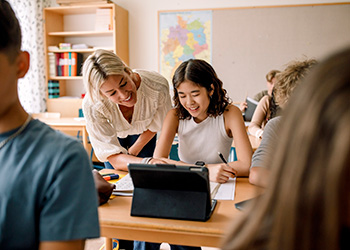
(47, 191)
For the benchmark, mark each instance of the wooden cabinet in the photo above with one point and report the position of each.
(76, 25)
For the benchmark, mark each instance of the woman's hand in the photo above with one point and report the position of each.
(157, 161)
(221, 172)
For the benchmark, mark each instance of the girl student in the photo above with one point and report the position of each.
(206, 123)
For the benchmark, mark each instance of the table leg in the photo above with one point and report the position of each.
(108, 244)
(85, 139)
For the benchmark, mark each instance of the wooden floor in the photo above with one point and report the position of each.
(97, 244)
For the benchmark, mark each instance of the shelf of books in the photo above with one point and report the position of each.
(71, 34)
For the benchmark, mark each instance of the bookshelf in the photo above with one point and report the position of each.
(80, 24)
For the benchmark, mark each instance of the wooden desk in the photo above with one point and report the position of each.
(66, 124)
(255, 142)
(116, 222)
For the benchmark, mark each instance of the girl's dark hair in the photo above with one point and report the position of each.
(201, 73)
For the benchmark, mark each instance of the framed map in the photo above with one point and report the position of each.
(182, 36)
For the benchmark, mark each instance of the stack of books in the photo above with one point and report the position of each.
(53, 89)
(66, 64)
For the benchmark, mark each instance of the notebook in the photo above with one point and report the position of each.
(171, 191)
(251, 106)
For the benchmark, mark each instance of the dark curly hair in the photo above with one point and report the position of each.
(201, 73)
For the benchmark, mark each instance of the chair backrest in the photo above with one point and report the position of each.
(233, 155)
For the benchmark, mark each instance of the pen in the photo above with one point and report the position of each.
(106, 174)
(111, 177)
(222, 158)
(224, 161)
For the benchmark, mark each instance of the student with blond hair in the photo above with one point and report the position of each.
(307, 202)
(270, 82)
(268, 107)
(286, 82)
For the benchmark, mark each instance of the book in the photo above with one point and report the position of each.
(80, 46)
(69, 63)
(59, 63)
(65, 46)
(77, 60)
(251, 106)
(65, 64)
(52, 64)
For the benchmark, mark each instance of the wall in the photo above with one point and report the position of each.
(143, 24)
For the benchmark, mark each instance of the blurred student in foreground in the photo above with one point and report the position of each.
(307, 203)
(47, 194)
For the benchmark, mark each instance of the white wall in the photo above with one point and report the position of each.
(143, 23)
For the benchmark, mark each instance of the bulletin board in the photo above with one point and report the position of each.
(249, 42)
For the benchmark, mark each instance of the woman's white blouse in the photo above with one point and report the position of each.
(105, 122)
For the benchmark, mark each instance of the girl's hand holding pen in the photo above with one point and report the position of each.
(224, 161)
(220, 172)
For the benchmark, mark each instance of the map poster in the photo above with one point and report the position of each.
(182, 36)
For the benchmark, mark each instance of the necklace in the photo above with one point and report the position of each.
(2, 144)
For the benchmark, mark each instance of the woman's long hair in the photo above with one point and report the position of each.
(307, 204)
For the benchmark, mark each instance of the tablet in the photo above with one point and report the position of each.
(171, 191)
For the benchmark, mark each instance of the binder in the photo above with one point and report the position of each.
(249, 112)
(65, 64)
(170, 191)
(76, 61)
(74, 64)
(58, 64)
(69, 63)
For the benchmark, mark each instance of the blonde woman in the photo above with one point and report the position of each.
(307, 203)
(123, 108)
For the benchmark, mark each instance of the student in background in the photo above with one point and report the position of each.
(307, 202)
(286, 82)
(269, 107)
(206, 123)
(265, 110)
(270, 82)
(47, 194)
(124, 109)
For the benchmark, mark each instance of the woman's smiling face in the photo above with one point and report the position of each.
(195, 99)
(120, 89)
